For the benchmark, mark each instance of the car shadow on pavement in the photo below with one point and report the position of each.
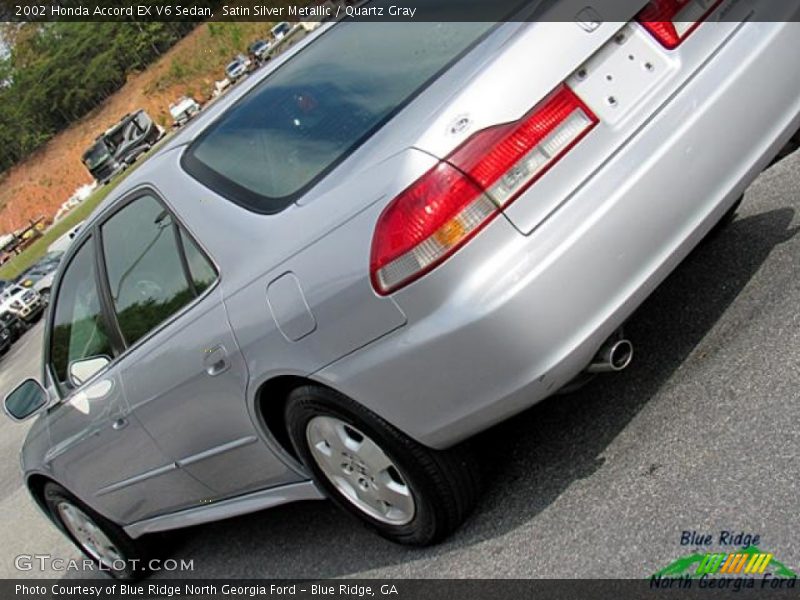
(533, 458)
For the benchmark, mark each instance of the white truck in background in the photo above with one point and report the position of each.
(183, 110)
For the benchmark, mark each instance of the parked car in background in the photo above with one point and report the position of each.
(15, 325)
(285, 36)
(63, 243)
(259, 50)
(22, 302)
(5, 339)
(279, 31)
(51, 257)
(221, 86)
(183, 110)
(238, 68)
(310, 26)
(121, 145)
(432, 232)
(39, 277)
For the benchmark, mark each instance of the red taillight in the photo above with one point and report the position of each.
(508, 159)
(672, 21)
(424, 224)
(450, 203)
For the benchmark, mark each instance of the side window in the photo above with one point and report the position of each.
(78, 330)
(147, 275)
(201, 271)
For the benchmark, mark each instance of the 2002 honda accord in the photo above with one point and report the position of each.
(395, 237)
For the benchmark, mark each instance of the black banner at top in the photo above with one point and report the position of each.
(406, 11)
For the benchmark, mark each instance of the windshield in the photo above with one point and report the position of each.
(96, 155)
(233, 66)
(318, 107)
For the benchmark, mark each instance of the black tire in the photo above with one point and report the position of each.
(443, 484)
(726, 220)
(730, 215)
(133, 565)
(790, 148)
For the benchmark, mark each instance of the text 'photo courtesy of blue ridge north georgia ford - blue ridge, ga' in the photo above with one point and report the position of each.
(416, 292)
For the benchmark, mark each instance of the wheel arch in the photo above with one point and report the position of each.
(35, 484)
(270, 402)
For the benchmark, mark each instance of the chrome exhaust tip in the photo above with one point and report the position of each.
(616, 355)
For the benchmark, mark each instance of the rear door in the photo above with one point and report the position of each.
(183, 373)
(100, 451)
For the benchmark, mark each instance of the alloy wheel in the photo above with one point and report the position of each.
(89, 535)
(360, 470)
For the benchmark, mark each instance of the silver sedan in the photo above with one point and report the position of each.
(392, 238)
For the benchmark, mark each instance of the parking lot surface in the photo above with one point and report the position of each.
(702, 434)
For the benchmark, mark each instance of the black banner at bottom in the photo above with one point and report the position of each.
(399, 589)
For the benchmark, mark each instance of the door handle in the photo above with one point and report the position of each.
(216, 361)
(217, 368)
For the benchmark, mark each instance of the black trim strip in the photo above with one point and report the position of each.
(216, 451)
(106, 300)
(114, 487)
(187, 272)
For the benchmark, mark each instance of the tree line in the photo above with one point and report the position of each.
(52, 74)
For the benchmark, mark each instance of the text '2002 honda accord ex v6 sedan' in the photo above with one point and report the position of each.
(394, 237)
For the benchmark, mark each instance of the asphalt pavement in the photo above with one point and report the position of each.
(702, 434)
(23, 529)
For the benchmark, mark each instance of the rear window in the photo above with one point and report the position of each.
(303, 119)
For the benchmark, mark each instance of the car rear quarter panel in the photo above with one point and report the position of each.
(511, 318)
(323, 248)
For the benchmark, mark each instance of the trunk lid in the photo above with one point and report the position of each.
(617, 68)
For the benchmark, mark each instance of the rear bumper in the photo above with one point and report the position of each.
(511, 318)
